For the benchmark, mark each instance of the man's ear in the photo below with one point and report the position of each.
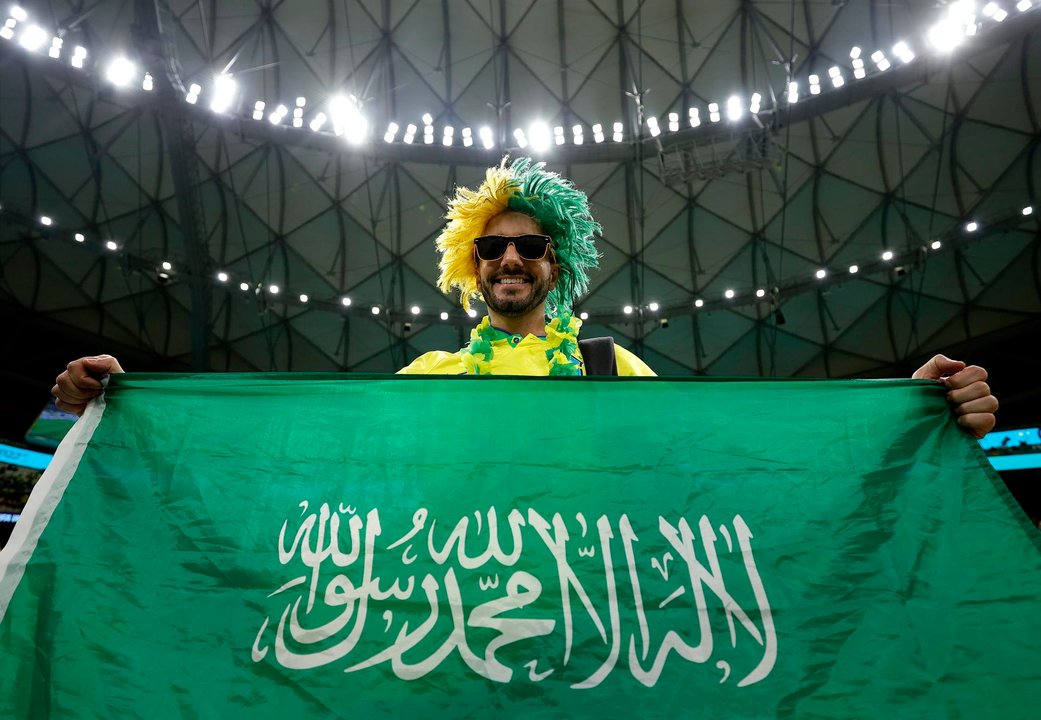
(554, 275)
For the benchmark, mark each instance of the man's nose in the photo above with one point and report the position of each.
(511, 257)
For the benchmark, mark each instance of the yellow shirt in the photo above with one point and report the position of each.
(512, 355)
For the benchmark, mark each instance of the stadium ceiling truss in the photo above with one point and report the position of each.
(932, 161)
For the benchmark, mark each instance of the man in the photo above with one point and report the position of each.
(524, 243)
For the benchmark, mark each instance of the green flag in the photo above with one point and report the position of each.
(308, 546)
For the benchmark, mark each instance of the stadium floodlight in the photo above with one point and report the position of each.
(33, 38)
(224, 89)
(79, 237)
(347, 119)
(674, 122)
(815, 85)
(449, 134)
(583, 316)
(539, 136)
(120, 72)
(487, 140)
(958, 20)
(444, 315)
(936, 245)
(652, 126)
(887, 255)
(55, 51)
(222, 276)
(410, 134)
(793, 92)
(468, 138)
(734, 108)
(558, 135)
(854, 269)
(345, 301)
(880, 60)
(148, 84)
(699, 303)
(835, 72)
(903, 51)
(598, 133)
(576, 134)
(317, 122)
(193, 93)
(713, 112)
(392, 130)
(972, 227)
(694, 117)
(754, 103)
(618, 130)
(821, 274)
(18, 13)
(729, 294)
(518, 135)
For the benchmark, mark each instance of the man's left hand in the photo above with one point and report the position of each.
(967, 392)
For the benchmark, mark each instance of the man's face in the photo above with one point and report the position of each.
(511, 285)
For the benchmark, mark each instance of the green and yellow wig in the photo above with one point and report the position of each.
(560, 209)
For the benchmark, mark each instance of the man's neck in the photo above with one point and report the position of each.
(533, 323)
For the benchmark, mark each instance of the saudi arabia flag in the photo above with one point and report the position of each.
(298, 546)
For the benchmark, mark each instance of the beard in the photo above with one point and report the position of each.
(518, 306)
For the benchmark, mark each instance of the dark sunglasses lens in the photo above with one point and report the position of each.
(491, 248)
(530, 247)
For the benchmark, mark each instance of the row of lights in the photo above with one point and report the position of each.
(165, 270)
(343, 113)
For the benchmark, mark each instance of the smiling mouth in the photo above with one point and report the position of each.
(512, 280)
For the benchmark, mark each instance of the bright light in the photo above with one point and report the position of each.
(304, 297)
(887, 255)
(468, 139)
(278, 115)
(444, 315)
(821, 274)
(760, 293)
(317, 122)
(618, 129)
(713, 112)
(111, 245)
(815, 85)
(7, 33)
(222, 276)
(167, 265)
(345, 301)
(224, 89)
(375, 310)
(55, 50)
(1023, 5)
(699, 302)
(79, 237)
(971, 227)
(754, 103)
(835, 72)
(879, 58)
(694, 117)
(1028, 210)
(301, 101)
(392, 130)
(472, 313)
(628, 309)
(935, 245)
(485, 134)
(258, 111)
(653, 307)
(1000, 15)
(147, 84)
(415, 309)
(518, 135)
(558, 135)
(989, 9)
(903, 51)
(958, 21)
(734, 109)
(793, 92)
(446, 139)
(428, 119)
(858, 69)
(674, 122)
(44, 220)
(598, 133)
(243, 287)
(583, 315)
(18, 13)
(33, 38)
(729, 294)
(120, 72)
(78, 56)
(854, 269)
(273, 289)
(576, 134)
(347, 119)
(854, 53)
(652, 126)
(539, 135)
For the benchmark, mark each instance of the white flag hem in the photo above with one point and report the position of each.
(44, 499)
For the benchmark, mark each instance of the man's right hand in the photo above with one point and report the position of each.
(81, 382)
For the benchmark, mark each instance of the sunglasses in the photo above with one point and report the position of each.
(529, 247)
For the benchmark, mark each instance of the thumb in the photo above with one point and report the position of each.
(938, 367)
(102, 364)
